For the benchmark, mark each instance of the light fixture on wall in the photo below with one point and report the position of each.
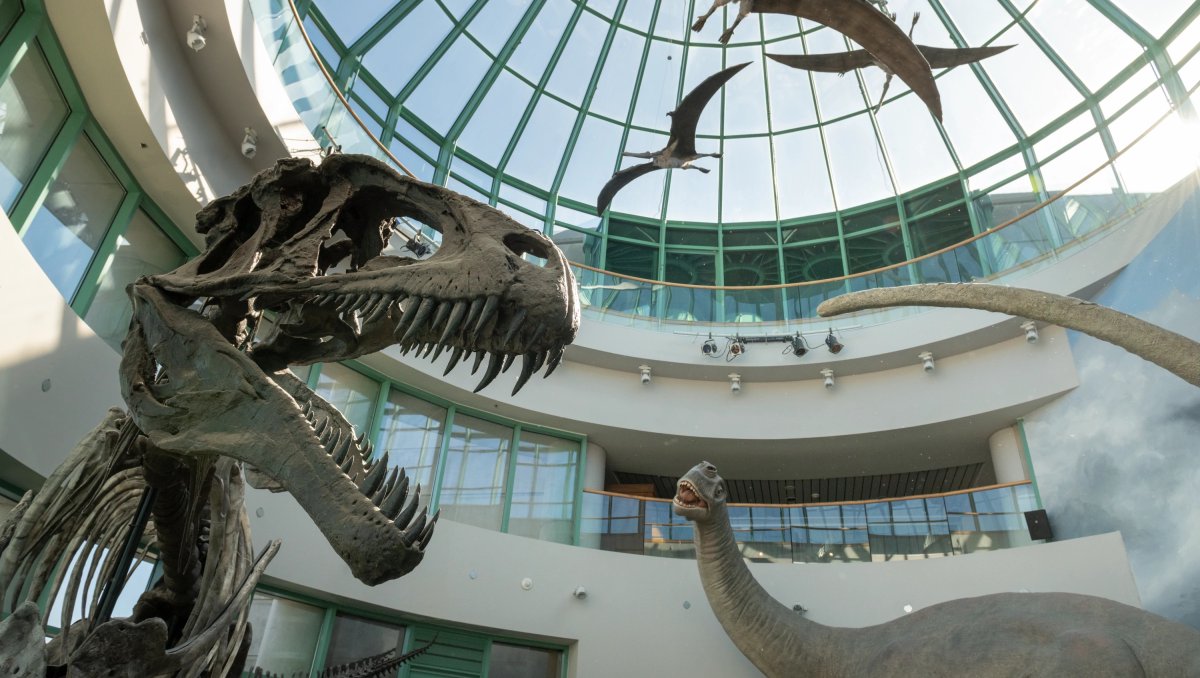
(645, 370)
(798, 347)
(195, 35)
(250, 143)
(1031, 332)
(735, 382)
(834, 345)
(926, 359)
(828, 374)
(710, 348)
(417, 247)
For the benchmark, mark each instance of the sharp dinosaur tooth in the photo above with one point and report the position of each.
(375, 477)
(348, 302)
(326, 298)
(527, 361)
(508, 361)
(455, 355)
(395, 499)
(513, 325)
(540, 360)
(371, 308)
(427, 533)
(437, 352)
(367, 448)
(489, 309)
(319, 428)
(339, 452)
(414, 305)
(554, 360)
(385, 487)
(428, 349)
(327, 436)
(456, 317)
(347, 464)
(478, 359)
(439, 316)
(493, 369)
(306, 408)
(380, 309)
(537, 334)
(413, 531)
(418, 321)
(410, 510)
(473, 313)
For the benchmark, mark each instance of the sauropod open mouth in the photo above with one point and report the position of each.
(687, 497)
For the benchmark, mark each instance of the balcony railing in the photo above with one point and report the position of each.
(929, 526)
(1005, 247)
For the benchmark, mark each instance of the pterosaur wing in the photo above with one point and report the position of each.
(619, 181)
(685, 117)
(838, 62)
(876, 32)
(949, 57)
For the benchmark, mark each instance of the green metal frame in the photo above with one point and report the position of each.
(411, 625)
(388, 384)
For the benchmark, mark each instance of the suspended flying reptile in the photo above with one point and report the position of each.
(843, 62)
(858, 20)
(680, 151)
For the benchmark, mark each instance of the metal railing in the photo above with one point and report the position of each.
(927, 526)
(1019, 235)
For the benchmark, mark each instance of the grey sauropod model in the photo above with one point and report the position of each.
(205, 376)
(1004, 634)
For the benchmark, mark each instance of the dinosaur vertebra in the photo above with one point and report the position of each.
(1005, 634)
(206, 392)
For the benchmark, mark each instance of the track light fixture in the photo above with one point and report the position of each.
(1031, 331)
(736, 347)
(250, 142)
(735, 382)
(417, 247)
(195, 35)
(710, 348)
(828, 374)
(645, 370)
(926, 359)
(798, 347)
(834, 345)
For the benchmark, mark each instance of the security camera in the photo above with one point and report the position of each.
(250, 143)
(195, 35)
(1031, 332)
(926, 361)
(645, 370)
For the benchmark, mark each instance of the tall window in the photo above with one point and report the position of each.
(543, 493)
(476, 470)
(352, 393)
(79, 207)
(411, 433)
(32, 110)
(355, 638)
(285, 635)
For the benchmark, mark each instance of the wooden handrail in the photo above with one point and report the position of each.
(855, 502)
(908, 262)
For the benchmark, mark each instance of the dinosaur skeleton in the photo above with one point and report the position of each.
(206, 394)
(1006, 634)
(382, 665)
(858, 20)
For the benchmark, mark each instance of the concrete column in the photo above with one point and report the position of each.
(1007, 457)
(593, 471)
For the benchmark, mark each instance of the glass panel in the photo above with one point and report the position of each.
(285, 635)
(31, 112)
(476, 468)
(515, 661)
(355, 638)
(411, 434)
(79, 206)
(543, 495)
(352, 393)
(142, 250)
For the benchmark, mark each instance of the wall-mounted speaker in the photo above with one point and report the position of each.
(1039, 525)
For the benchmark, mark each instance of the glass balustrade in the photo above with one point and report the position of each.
(933, 526)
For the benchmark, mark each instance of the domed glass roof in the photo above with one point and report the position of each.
(528, 105)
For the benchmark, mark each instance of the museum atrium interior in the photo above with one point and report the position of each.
(877, 462)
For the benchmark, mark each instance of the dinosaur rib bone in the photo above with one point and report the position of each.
(1173, 352)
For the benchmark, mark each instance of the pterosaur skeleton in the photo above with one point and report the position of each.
(844, 62)
(858, 20)
(680, 151)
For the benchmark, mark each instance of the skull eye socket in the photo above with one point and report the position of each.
(522, 244)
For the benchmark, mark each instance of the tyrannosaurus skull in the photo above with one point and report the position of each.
(202, 382)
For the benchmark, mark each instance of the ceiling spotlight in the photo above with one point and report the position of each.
(1031, 333)
(710, 348)
(828, 374)
(799, 348)
(195, 35)
(926, 359)
(737, 347)
(735, 382)
(250, 143)
(834, 345)
(417, 247)
(645, 370)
